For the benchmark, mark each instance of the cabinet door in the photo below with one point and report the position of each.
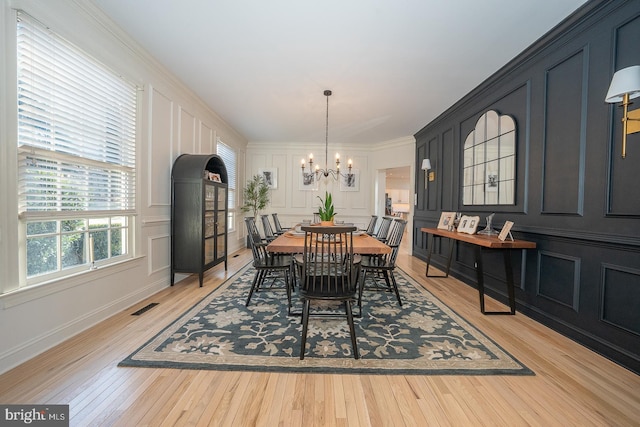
(221, 223)
(209, 223)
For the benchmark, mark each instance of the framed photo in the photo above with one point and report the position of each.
(506, 231)
(446, 220)
(270, 176)
(308, 181)
(350, 181)
(215, 177)
(468, 224)
(492, 182)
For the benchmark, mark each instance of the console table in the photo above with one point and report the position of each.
(481, 242)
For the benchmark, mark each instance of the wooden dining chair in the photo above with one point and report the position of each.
(267, 265)
(383, 266)
(371, 228)
(328, 272)
(276, 222)
(269, 235)
(383, 230)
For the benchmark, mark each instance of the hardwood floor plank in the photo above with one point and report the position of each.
(572, 385)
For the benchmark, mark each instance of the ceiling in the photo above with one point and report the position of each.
(393, 65)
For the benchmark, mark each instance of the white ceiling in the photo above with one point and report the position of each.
(393, 65)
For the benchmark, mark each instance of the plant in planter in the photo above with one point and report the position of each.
(256, 198)
(326, 210)
(256, 195)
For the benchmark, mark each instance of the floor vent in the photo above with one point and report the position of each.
(144, 309)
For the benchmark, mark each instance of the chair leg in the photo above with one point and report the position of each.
(254, 285)
(352, 329)
(395, 287)
(305, 326)
(288, 285)
(363, 276)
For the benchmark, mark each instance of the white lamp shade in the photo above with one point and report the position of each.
(624, 81)
(426, 164)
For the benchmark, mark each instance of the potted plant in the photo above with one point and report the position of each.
(326, 210)
(256, 197)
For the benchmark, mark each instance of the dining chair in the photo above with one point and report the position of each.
(383, 266)
(371, 228)
(328, 272)
(267, 265)
(276, 222)
(383, 230)
(269, 235)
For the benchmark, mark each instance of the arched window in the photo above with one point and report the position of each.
(490, 161)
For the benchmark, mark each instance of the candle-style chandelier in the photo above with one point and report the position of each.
(326, 172)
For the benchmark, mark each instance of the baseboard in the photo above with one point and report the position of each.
(35, 346)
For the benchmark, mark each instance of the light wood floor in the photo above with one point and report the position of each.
(572, 386)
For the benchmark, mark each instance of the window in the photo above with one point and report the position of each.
(489, 161)
(228, 156)
(76, 155)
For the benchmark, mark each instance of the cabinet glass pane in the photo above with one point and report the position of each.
(209, 224)
(209, 250)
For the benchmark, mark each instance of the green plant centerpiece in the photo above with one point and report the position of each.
(256, 195)
(326, 210)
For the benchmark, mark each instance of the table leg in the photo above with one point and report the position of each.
(510, 287)
(433, 240)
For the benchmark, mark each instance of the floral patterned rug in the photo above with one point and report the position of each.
(423, 336)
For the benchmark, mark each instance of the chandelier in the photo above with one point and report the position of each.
(326, 172)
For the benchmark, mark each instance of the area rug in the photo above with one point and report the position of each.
(422, 337)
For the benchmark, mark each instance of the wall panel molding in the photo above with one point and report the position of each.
(159, 160)
(564, 141)
(559, 278)
(621, 288)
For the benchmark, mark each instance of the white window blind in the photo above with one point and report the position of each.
(228, 156)
(76, 129)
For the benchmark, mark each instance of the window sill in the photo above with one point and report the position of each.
(30, 293)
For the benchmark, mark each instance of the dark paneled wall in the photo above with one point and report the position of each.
(575, 196)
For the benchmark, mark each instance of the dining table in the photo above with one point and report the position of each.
(292, 242)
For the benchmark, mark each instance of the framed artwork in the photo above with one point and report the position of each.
(350, 181)
(492, 182)
(270, 176)
(468, 224)
(308, 181)
(506, 231)
(446, 220)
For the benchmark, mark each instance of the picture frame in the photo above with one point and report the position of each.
(506, 231)
(468, 224)
(446, 220)
(270, 176)
(492, 182)
(215, 177)
(307, 181)
(350, 181)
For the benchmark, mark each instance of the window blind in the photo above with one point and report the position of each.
(228, 156)
(76, 128)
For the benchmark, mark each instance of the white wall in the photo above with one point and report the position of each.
(172, 121)
(293, 204)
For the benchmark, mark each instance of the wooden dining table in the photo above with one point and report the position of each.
(293, 243)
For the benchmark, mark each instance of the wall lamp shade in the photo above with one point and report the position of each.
(625, 86)
(625, 81)
(431, 176)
